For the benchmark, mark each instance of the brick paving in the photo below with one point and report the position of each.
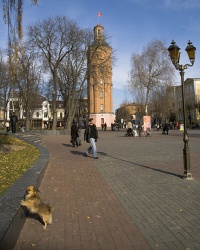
(132, 197)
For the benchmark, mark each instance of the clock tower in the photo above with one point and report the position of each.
(100, 79)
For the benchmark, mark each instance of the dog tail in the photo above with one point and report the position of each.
(50, 219)
(50, 214)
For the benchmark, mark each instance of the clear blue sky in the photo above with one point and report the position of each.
(131, 24)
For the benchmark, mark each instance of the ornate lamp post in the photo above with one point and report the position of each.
(174, 52)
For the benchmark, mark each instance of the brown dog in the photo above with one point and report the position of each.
(35, 206)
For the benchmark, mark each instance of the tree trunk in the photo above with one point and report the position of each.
(54, 124)
(147, 100)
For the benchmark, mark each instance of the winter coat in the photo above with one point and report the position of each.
(91, 132)
(74, 131)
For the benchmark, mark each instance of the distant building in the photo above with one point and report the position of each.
(192, 101)
(40, 110)
(130, 112)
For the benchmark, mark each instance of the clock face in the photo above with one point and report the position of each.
(101, 55)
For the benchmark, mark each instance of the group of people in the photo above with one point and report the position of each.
(134, 129)
(104, 126)
(90, 136)
(13, 122)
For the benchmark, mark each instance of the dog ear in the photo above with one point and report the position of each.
(36, 190)
(28, 189)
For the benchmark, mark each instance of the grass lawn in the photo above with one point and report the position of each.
(16, 157)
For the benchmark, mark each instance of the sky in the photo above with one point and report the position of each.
(130, 25)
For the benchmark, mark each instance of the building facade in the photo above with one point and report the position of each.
(40, 115)
(130, 112)
(192, 97)
(192, 101)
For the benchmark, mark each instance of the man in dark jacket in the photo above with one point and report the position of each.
(13, 121)
(74, 134)
(91, 136)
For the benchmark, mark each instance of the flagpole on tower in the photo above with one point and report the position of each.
(99, 15)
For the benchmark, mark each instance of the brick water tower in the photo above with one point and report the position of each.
(100, 79)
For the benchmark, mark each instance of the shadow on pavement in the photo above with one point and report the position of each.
(140, 165)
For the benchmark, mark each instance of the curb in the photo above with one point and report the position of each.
(12, 215)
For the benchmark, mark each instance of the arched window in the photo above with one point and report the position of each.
(101, 94)
(99, 33)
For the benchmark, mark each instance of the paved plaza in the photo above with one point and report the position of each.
(132, 197)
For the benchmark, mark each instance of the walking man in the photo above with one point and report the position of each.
(139, 129)
(13, 121)
(105, 126)
(91, 136)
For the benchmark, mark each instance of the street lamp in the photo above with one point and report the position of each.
(174, 52)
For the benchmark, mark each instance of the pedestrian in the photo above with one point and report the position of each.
(91, 136)
(177, 125)
(139, 129)
(22, 127)
(174, 125)
(74, 134)
(148, 131)
(13, 121)
(165, 128)
(7, 126)
(105, 126)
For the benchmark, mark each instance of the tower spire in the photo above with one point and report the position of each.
(98, 33)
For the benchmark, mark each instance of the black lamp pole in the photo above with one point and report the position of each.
(174, 52)
(186, 150)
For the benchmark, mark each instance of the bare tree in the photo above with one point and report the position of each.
(54, 38)
(151, 69)
(191, 106)
(138, 95)
(123, 113)
(5, 84)
(72, 74)
(159, 106)
(12, 14)
(28, 80)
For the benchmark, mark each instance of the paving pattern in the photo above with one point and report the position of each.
(132, 197)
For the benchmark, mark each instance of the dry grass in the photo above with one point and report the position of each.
(15, 158)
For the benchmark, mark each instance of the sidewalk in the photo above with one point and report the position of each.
(132, 197)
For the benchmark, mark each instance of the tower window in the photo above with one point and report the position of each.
(101, 107)
(101, 81)
(101, 94)
(98, 32)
